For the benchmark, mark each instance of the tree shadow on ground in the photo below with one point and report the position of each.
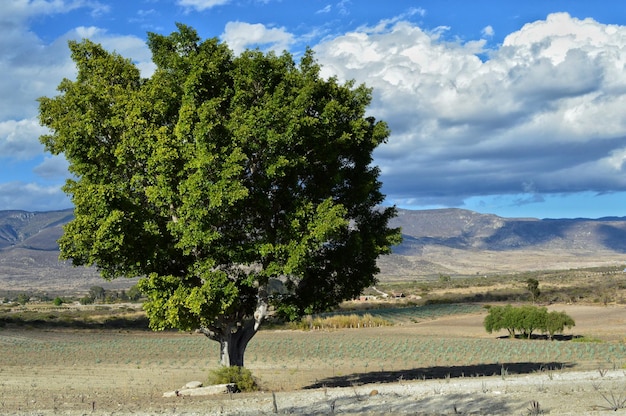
(556, 337)
(438, 372)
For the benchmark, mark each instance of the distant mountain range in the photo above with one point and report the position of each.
(452, 241)
(468, 230)
(32, 230)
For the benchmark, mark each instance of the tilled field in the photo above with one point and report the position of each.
(441, 365)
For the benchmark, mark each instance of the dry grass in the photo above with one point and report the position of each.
(48, 362)
(127, 370)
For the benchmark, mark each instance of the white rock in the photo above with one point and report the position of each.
(201, 391)
(192, 385)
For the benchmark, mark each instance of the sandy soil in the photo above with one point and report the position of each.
(80, 389)
(555, 392)
(563, 393)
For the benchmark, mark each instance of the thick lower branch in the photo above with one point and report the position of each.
(208, 333)
(234, 336)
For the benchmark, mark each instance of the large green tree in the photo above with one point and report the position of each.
(220, 180)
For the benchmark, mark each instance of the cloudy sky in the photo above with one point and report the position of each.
(512, 108)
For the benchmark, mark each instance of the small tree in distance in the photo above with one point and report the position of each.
(217, 179)
(556, 322)
(526, 320)
(97, 293)
(533, 287)
(133, 294)
(23, 298)
(501, 317)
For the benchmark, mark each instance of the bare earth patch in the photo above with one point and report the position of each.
(123, 373)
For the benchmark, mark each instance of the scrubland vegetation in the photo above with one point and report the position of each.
(597, 285)
(442, 294)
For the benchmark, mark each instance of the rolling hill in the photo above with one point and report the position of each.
(462, 242)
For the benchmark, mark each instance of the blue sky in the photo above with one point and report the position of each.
(510, 108)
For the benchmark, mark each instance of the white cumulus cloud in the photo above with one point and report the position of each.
(19, 139)
(545, 108)
(488, 31)
(201, 5)
(32, 197)
(242, 35)
(53, 167)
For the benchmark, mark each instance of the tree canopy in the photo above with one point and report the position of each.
(526, 319)
(231, 184)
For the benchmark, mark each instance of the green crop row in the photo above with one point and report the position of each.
(385, 347)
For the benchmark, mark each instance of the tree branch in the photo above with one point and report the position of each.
(173, 213)
(208, 333)
(261, 309)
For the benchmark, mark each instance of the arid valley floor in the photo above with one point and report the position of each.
(76, 372)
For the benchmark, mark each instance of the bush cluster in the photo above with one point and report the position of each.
(242, 378)
(526, 320)
(100, 295)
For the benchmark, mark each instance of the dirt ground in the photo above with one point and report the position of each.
(47, 387)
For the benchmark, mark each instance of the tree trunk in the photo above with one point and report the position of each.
(234, 337)
(233, 344)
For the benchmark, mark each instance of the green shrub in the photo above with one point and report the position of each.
(134, 294)
(57, 301)
(587, 339)
(240, 376)
(23, 298)
(86, 300)
(533, 288)
(526, 319)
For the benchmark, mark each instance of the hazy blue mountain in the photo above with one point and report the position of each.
(32, 230)
(463, 229)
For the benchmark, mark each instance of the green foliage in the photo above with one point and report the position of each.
(526, 320)
(587, 339)
(533, 288)
(445, 279)
(556, 322)
(499, 317)
(23, 298)
(86, 300)
(530, 318)
(97, 293)
(57, 301)
(242, 378)
(134, 294)
(216, 175)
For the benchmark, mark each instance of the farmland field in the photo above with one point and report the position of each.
(77, 371)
